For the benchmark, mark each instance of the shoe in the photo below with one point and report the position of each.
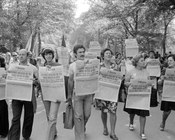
(162, 127)
(105, 132)
(143, 137)
(114, 137)
(131, 127)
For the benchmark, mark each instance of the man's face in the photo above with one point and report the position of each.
(80, 54)
(23, 56)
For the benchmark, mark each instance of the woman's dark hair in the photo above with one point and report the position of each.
(2, 62)
(136, 59)
(47, 51)
(103, 52)
(76, 47)
(171, 55)
(152, 52)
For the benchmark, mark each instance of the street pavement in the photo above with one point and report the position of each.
(94, 127)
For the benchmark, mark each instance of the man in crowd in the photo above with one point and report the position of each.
(82, 104)
(17, 105)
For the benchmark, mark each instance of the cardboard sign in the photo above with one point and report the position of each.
(19, 83)
(109, 85)
(132, 47)
(139, 94)
(169, 86)
(52, 83)
(86, 77)
(2, 84)
(153, 67)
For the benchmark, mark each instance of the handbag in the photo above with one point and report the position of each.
(68, 117)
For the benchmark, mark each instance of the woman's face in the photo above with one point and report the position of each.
(48, 57)
(141, 63)
(107, 55)
(171, 62)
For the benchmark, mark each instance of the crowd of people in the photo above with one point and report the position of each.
(82, 104)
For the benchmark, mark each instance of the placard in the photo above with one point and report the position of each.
(19, 82)
(153, 67)
(86, 77)
(90, 55)
(139, 94)
(132, 47)
(52, 83)
(109, 85)
(169, 86)
(2, 84)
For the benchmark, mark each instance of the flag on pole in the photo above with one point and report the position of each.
(63, 43)
(29, 43)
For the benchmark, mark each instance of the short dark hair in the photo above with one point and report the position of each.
(47, 51)
(103, 52)
(136, 59)
(171, 55)
(76, 47)
(152, 52)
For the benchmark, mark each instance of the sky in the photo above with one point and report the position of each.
(82, 6)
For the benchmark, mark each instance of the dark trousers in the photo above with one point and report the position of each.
(66, 78)
(14, 133)
(4, 121)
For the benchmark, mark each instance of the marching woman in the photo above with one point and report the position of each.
(108, 106)
(51, 107)
(138, 72)
(4, 122)
(166, 106)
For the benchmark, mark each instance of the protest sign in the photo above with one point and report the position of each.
(19, 82)
(139, 94)
(90, 55)
(63, 59)
(132, 47)
(52, 83)
(86, 77)
(153, 67)
(2, 84)
(109, 85)
(169, 86)
(95, 47)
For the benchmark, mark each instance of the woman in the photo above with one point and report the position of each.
(166, 106)
(4, 123)
(107, 106)
(139, 72)
(50, 106)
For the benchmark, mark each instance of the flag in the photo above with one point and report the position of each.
(29, 43)
(63, 43)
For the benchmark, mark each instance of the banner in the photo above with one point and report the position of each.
(52, 83)
(169, 86)
(2, 84)
(132, 47)
(139, 94)
(153, 67)
(19, 82)
(109, 85)
(86, 77)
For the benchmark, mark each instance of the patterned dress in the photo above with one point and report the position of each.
(106, 106)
